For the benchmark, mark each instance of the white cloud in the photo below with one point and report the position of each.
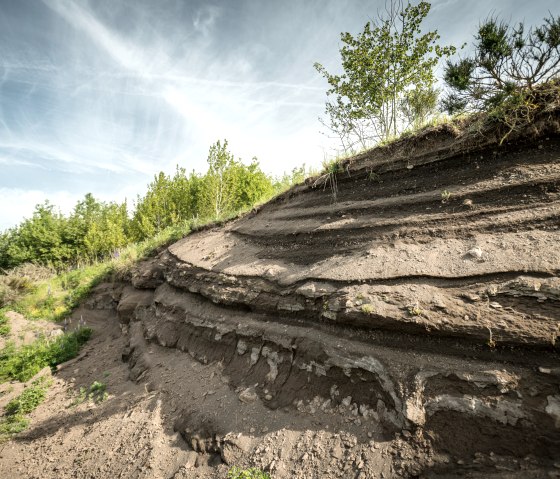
(82, 19)
(205, 18)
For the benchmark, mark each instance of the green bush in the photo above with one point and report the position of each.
(23, 363)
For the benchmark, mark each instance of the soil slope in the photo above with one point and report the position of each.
(397, 319)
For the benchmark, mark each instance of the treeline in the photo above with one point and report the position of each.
(95, 229)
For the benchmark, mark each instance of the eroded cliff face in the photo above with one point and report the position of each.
(421, 308)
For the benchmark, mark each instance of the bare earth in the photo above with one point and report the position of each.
(409, 329)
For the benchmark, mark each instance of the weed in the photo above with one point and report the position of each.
(14, 420)
(23, 363)
(251, 473)
(11, 425)
(79, 398)
(373, 176)
(415, 311)
(367, 309)
(330, 170)
(445, 196)
(97, 392)
(29, 399)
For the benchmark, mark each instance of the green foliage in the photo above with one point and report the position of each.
(14, 420)
(23, 363)
(29, 399)
(54, 298)
(4, 326)
(11, 425)
(508, 62)
(99, 232)
(297, 176)
(93, 230)
(388, 80)
(229, 186)
(97, 392)
(251, 473)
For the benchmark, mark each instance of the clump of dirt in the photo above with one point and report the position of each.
(409, 329)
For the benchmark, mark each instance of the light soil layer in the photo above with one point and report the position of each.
(407, 329)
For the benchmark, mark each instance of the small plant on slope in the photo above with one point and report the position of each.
(14, 420)
(97, 392)
(251, 473)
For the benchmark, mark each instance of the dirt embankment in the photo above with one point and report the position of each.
(409, 329)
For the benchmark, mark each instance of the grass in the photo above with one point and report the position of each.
(251, 473)
(14, 419)
(55, 297)
(23, 363)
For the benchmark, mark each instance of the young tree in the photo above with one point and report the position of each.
(218, 182)
(156, 210)
(387, 69)
(108, 231)
(508, 62)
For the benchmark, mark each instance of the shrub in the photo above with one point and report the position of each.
(508, 62)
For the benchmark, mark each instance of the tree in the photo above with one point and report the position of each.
(108, 232)
(218, 182)
(155, 211)
(39, 239)
(387, 69)
(508, 62)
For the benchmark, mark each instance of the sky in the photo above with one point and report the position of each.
(98, 96)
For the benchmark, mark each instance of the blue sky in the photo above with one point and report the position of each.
(99, 96)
